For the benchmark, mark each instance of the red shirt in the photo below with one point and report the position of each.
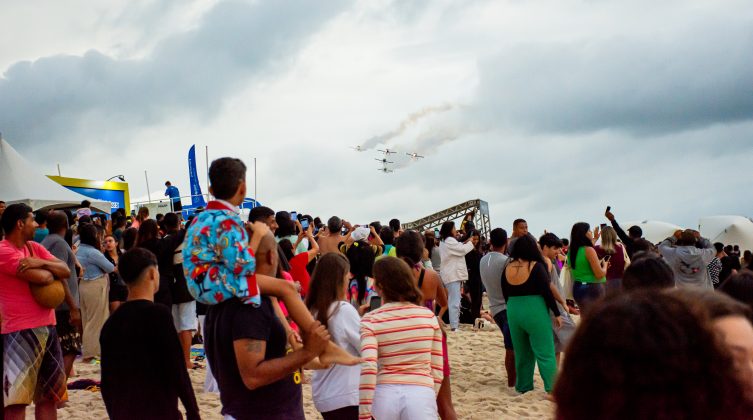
(18, 308)
(298, 271)
(616, 262)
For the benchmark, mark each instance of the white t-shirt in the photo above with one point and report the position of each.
(337, 387)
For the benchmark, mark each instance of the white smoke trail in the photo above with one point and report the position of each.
(404, 125)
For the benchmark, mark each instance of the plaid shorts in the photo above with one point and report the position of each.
(33, 367)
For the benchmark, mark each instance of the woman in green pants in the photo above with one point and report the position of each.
(525, 284)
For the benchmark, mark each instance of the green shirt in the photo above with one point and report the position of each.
(582, 271)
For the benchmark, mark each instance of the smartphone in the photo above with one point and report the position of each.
(607, 258)
(603, 225)
(293, 216)
(609, 208)
(305, 224)
(375, 302)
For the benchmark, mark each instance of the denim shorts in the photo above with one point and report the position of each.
(587, 293)
(184, 316)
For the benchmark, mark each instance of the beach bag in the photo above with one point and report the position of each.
(48, 296)
(566, 281)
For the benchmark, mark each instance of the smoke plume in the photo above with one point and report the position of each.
(404, 125)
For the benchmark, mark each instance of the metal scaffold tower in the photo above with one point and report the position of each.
(478, 206)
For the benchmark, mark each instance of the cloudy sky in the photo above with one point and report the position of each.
(548, 110)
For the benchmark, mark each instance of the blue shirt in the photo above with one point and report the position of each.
(173, 193)
(40, 234)
(94, 262)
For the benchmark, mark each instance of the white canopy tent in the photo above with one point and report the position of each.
(729, 230)
(21, 183)
(654, 231)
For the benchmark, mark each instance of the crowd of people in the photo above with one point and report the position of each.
(365, 311)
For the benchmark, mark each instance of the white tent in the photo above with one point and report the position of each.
(21, 183)
(654, 231)
(729, 230)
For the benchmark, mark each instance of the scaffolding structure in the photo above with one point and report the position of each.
(480, 220)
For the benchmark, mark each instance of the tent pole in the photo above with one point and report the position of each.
(255, 194)
(148, 194)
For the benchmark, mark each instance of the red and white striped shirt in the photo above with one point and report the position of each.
(401, 344)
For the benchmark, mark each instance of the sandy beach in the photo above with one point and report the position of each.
(479, 385)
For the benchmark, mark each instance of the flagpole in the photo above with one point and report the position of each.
(206, 155)
(256, 196)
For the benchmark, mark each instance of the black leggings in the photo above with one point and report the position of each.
(345, 413)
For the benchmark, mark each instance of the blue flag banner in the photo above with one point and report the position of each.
(197, 199)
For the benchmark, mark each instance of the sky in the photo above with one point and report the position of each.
(547, 110)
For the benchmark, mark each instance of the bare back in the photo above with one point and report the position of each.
(517, 272)
(329, 243)
(431, 287)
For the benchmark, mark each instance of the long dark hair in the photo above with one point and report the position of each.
(526, 249)
(578, 240)
(88, 236)
(327, 281)
(395, 281)
(446, 230)
(430, 243)
(410, 247)
(287, 249)
(129, 238)
(148, 231)
(361, 258)
(285, 224)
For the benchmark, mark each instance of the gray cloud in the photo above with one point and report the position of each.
(701, 76)
(192, 72)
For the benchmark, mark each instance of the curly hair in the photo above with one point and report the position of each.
(649, 355)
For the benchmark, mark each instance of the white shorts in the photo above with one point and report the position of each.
(184, 316)
(408, 402)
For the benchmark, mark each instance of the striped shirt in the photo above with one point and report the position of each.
(401, 344)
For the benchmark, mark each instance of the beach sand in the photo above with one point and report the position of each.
(479, 385)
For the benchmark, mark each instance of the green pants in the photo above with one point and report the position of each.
(532, 339)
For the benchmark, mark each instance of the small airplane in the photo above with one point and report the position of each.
(387, 151)
(384, 161)
(385, 170)
(357, 148)
(414, 156)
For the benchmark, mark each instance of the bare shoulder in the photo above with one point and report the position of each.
(590, 251)
(432, 276)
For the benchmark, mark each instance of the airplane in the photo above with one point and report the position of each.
(414, 156)
(384, 161)
(387, 152)
(357, 148)
(385, 170)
